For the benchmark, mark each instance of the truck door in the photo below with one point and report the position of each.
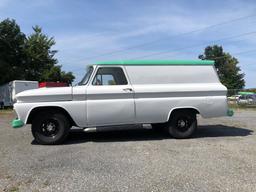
(110, 98)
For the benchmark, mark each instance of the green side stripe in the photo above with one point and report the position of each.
(157, 62)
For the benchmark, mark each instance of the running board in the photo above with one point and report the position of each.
(116, 127)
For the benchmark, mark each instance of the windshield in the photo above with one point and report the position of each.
(87, 76)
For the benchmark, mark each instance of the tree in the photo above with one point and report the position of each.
(12, 55)
(40, 56)
(67, 77)
(55, 74)
(29, 58)
(227, 66)
(42, 64)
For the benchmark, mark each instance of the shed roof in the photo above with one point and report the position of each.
(157, 62)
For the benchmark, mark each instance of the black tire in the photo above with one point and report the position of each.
(182, 124)
(159, 126)
(50, 128)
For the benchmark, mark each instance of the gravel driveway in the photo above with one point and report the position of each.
(220, 157)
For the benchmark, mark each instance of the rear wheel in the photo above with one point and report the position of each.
(182, 124)
(50, 128)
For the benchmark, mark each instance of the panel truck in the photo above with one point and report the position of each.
(167, 94)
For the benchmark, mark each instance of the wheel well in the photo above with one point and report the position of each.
(36, 110)
(191, 110)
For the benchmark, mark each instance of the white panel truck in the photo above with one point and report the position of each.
(164, 93)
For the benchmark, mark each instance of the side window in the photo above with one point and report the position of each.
(110, 76)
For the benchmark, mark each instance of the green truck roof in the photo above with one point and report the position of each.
(157, 62)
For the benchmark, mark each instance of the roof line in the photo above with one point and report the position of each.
(157, 62)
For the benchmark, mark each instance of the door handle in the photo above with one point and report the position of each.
(127, 89)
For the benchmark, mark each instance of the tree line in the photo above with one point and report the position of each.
(28, 57)
(32, 58)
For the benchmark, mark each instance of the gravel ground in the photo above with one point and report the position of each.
(220, 157)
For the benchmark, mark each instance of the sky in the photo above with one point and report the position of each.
(87, 31)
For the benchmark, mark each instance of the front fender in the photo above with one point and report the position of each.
(76, 110)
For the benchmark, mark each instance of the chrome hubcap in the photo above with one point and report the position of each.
(181, 123)
(50, 128)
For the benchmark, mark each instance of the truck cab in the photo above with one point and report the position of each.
(167, 94)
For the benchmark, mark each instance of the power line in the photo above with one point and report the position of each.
(209, 42)
(181, 34)
(183, 48)
(190, 52)
(233, 55)
(238, 53)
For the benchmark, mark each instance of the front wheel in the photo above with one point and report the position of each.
(50, 128)
(182, 124)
